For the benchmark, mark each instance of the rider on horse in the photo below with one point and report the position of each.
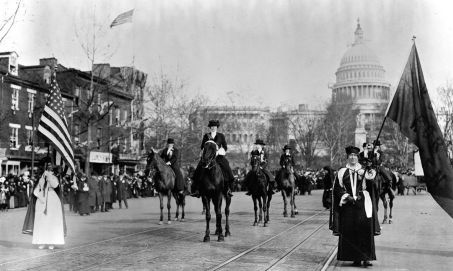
(259, 151)
(286, 159)
(170, 155)
(219, 139)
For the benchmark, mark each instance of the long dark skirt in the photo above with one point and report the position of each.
(356, 242)
(84, 204)
(29, 221)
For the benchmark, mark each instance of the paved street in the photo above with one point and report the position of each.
(421, 238)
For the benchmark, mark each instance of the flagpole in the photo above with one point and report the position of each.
(393, 96)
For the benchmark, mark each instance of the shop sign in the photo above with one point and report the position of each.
(100, 157)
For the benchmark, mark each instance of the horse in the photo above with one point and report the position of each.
(211, 188)
(288, 187)
(384, 182)
(164, 183)
(259, 188)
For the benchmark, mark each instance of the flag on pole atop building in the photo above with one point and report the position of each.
(125, 17)
(53, 124)
(412, 110)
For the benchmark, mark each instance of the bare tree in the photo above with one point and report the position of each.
(337, 127)
(444, 113)
(8, 19)
(307, 133)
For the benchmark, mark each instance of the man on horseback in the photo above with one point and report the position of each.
(259, 151)
(286, 159)
(219, 139)
(170, 155)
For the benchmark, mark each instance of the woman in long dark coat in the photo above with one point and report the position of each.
(327, 184)
(355, 209)
(83, 195)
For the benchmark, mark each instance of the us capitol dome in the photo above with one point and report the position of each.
(360, 81)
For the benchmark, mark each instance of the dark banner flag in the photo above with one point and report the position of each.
(411, 109)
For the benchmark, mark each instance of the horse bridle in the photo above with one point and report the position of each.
(214, 156)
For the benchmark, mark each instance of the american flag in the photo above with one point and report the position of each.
(125, 17)
(53, 124)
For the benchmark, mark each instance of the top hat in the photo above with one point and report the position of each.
(377, 143)
(213, 123)
(352, 149)
(170, 141)
(286, 147)
(259, 142)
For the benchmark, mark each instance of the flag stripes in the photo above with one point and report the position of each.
(53, 124)
(123, 18)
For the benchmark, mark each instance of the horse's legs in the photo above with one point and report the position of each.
(177, 206)
(391, 197)
(161, 200)
(204, 206)
(218, 217)
(261, 210)
(265, 211)
(208, 218)
(227, 214)
(384, 202)
(268, 203)
(169, 206)
(296, 212)
(291, 201)
(255, 208)
(285, 212)
(183, 204)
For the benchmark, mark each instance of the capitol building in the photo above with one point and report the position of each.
(360, 82)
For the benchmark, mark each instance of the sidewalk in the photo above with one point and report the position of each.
(420, 238)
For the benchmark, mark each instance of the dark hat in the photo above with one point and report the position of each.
(286, 147)
(377, 143)
(259, 142)
(213, 123)
(364, 145)
(170, 141)
(352, 149)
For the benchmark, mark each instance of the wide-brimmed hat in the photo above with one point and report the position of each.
(213, 123)
(377, 143)
(170, 141)
(352, 149)
(286, 147)
(259, 142)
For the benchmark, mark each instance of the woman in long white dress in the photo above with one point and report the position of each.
(48, 227)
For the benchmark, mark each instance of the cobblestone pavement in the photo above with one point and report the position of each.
(131, 239)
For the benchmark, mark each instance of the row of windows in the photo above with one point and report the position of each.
(14, 135)
(360, 74)
(363, 93)
(356, 58)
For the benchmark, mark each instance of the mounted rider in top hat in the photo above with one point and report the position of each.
(286, 156)
(259, 151)
(219, 139)
(170, 155)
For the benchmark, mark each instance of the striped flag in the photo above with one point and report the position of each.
(123, 18)
(53, 124)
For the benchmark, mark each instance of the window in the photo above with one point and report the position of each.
(124, 117)
(110, 117)
(76, 133)
(117, 117)
(29, 130)
(15, 97)
(14, 136)
(31, 101)
(125, 145)
(76, 95)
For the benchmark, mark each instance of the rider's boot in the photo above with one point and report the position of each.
(195, 193)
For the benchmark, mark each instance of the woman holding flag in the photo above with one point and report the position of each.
(48, 226)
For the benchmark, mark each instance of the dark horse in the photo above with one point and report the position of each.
(164, 183)
(384, 182)
(288, 186)
(211, 187)
(260, 190)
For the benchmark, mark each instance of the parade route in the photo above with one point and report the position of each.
(421, 238)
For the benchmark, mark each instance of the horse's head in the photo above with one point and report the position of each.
(151, 162)
(255, 162)
(287, 163)
(209, 153)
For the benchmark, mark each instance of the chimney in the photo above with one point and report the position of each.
(52, 62)
(8, 60)
(101, 70)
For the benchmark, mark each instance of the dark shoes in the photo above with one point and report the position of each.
(367, 263)
(356, 263)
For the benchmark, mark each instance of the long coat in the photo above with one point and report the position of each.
(105, 187)
(355, 229)
(94, 192)
(173, 158)
(122, 185)
(219, 139)
(83, 197)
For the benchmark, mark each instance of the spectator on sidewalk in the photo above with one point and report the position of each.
(94, 194)
(122, 186)
(83, 195)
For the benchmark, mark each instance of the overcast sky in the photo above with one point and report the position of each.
(275, 52)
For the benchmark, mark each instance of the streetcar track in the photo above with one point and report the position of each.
(94, 243)
(232, 259)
